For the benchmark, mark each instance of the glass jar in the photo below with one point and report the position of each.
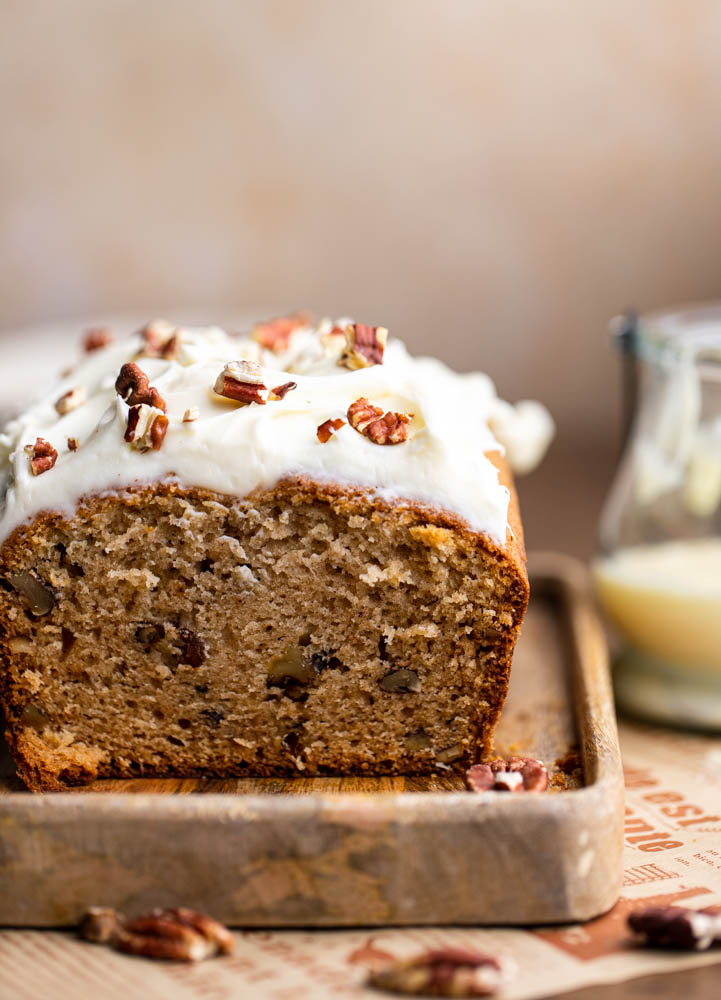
(658, 572)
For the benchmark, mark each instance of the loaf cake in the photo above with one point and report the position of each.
(296, 551)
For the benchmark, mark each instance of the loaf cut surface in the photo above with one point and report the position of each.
(306, 629)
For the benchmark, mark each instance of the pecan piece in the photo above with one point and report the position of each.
(71, 400)
(133, 386)
(175, 934)
(417, 741)
(42, 456)
(97, 337)
(440, 972)
(449, 754)
(281, 391)
(160, 340)
(364, 346)
(380, 428)
(212, 716)
(191, 414)
(517, 774)
(101, 925)
(275, 334)
(325, 430)
(402, 681)
(192, 647)
(241, 381)
(678, 926)
(147, 427)
(40, 598)
(73, 444)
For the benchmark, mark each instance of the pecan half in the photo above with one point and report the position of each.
(133, 386)
(147, 427)
(160, 340)
(97, 337)
(517, 774)
(42, 456)
(281, 391)
(275, 334)
(678, 926)
(440, 972)
(364, 346)
(380, 428)
(242, 381)
(71, 400)
(175, 934)
(325, 430)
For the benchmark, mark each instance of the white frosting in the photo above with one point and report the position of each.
(233, 448)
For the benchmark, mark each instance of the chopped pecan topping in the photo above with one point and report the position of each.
(132, 385)
(71, 400)
(161, 340)
(191, 414)
(242, 381)
(380, 428)
(364, 346)
(440, 972)
(178, 935)
(517, 774)
(42, 456)
(326, 429)
(97, 337)
(678, 926)
(147, 427)
(281, 391)
(275, 334)
(73, 444)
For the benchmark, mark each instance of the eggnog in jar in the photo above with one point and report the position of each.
(666, 601)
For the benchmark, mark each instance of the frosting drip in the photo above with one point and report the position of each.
(231, 447)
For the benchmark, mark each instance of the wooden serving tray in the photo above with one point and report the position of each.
(327, 852)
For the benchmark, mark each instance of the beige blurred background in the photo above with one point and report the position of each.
(491, 180)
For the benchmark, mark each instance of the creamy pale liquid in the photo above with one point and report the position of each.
(666, 600)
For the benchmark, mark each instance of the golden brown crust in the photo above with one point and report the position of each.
(84, 765)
